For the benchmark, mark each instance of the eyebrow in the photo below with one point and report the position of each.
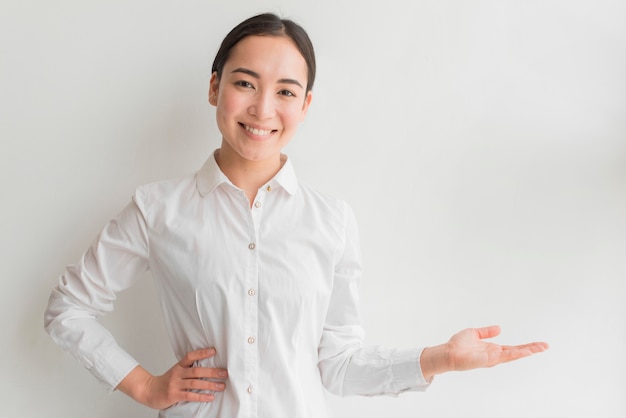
(258, 76)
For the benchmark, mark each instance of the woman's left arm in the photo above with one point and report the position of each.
(348, 367)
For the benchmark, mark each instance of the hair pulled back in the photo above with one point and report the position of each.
(267, 24)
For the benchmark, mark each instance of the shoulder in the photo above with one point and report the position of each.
(314, 194)
(168, 192)
(326, 204)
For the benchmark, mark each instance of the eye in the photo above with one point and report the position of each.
(244, 83)
(286, 93)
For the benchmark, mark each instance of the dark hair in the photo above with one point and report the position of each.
(268, 24)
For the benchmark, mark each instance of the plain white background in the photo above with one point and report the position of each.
(482, 145)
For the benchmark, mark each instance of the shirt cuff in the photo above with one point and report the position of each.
(112, 366)
(407, 372)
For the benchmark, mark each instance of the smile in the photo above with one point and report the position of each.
(258, 132)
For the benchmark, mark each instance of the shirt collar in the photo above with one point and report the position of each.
(210, 176)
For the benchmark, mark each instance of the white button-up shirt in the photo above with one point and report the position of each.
(272, 287)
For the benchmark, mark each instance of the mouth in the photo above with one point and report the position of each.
(256, 131)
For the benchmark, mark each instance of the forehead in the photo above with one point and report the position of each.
(269, 56)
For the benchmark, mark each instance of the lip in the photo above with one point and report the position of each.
(257, 131)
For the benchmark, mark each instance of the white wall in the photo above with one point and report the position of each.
(482, 145)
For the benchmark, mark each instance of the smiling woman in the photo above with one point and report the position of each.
(260, 103)
(257, 273)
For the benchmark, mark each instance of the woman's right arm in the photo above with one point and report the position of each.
(87, 290)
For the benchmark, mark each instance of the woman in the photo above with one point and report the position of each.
(256, 273)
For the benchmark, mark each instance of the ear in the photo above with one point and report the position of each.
(306, 104)
(214, 89)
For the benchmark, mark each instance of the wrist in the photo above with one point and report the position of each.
(135, 385)
(435, 360)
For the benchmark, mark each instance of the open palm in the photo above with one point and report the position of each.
(467, 350)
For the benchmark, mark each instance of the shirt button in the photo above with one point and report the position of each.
(249, 389)
(252, 246)
(258, 204)
(252, 292)
(251, 340)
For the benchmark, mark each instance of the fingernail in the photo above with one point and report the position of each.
(222, 373)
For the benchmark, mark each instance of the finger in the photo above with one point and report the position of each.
(206, 372)
(536, 347)
(488, 332)
(193, 356)
(541, 345)
(195, 384)
(512, 355)
(188, 396)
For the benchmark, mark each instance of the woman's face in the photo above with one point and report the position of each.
(261, 96)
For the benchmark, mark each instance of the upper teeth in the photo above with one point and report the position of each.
(257, 131)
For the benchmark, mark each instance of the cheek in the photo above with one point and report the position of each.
(226, 116)
(293, 115)
(230, 104)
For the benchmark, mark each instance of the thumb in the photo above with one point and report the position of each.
(488, 332)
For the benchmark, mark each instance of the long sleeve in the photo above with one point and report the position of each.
(88, 290)
(346, 366)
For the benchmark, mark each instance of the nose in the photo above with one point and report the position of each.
(263, 106)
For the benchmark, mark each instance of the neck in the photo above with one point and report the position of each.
(248, 175)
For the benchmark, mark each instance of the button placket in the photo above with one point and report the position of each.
(249, 293)
(257, 208)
